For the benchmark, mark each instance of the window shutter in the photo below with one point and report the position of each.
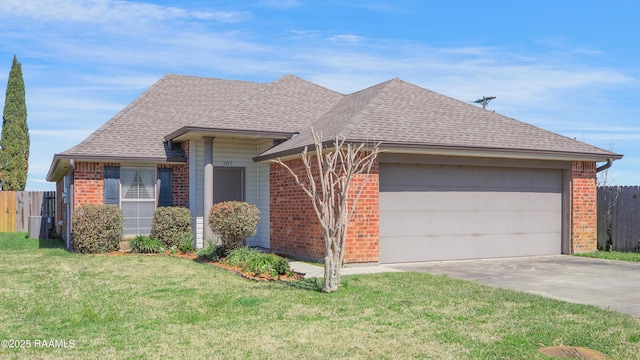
(112, 185)
(165, 196)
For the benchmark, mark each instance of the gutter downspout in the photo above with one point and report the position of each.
(605, 166)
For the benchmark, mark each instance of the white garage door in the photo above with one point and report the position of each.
(446, 212)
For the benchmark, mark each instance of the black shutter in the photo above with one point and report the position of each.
(112, 185)
(165, 196)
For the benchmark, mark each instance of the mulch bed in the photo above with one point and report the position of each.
(263, 277)
(233, 269)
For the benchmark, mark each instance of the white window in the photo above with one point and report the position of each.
(138, 199)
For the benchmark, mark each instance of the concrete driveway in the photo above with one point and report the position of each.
(611, 285)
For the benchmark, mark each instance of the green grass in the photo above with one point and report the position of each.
(612, 255)
(20, 242)
(147, 307)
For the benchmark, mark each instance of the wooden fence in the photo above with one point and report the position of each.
(17, 206)
(619, 218)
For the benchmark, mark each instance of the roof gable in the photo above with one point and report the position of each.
(340, 120)
(286, 105)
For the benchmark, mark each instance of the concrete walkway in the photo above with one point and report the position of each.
(610, 285)
(317, 271)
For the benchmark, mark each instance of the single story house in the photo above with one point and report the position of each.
(453, 180)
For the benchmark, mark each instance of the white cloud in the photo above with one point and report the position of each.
(346, 38)
(105, 11)
(463, 73)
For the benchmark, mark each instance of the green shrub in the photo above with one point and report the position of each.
(211, 252)
(240, 256)
(280, 265)
(171, 224)
(270, 263)
(97, 228)
(234, 222)
(258, 262)
(186, 243)
(146, 245)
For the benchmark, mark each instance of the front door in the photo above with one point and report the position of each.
(228, 184)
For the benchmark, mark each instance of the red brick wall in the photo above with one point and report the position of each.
(584, 211)
(181, 180)
(88, 183)
(295, 229)
(363, 236)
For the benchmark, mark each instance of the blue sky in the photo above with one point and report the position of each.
(572, 67)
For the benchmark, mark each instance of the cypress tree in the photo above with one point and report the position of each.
(14, 143)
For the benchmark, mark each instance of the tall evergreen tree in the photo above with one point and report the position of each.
(14, 143)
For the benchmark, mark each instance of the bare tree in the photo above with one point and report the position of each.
(603, 178)
(329, 174)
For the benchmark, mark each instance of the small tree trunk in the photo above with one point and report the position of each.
(331, 273)
(329, 194)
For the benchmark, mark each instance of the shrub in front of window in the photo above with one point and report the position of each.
(234, 222)
(171, 225)
(97, 228)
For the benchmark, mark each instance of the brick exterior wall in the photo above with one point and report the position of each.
(88, 186)
(363, 233)
(180, 180)
(295, 229)
(584, 210)
(88, 183)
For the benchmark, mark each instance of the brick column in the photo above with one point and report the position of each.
(584, 210)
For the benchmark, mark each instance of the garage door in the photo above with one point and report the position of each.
(447, 212)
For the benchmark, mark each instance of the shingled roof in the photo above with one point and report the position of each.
(174, 101)
(395, 113)
(402, 115)
(289, 104)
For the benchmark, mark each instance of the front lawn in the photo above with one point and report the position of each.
(154, 306)
(612, 255)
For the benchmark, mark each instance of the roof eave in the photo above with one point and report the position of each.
(59, 160)
(512, 153)
(183, 133)
(464, 151)
(55, 170)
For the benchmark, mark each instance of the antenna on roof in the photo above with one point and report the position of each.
(484, 101)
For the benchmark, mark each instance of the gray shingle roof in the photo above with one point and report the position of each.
(288, 104)
(400, 113)
(395, 113)
(174, 101)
